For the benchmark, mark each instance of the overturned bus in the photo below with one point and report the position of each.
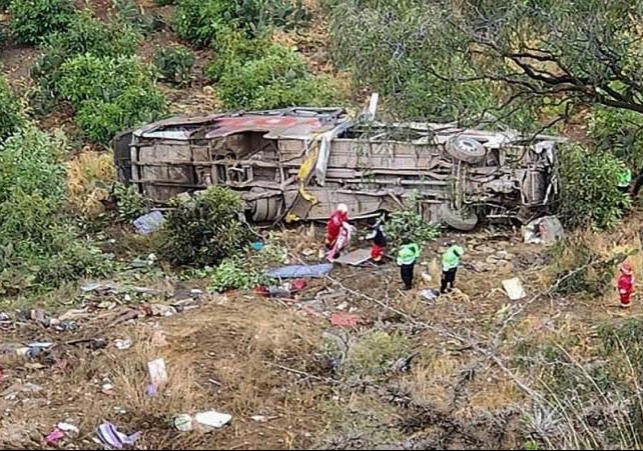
(299, 163)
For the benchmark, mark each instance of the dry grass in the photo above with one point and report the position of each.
(89, 179)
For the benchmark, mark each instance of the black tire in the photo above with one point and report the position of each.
(468, 150)
(458, 219)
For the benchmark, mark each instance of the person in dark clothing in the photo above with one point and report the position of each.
(378, 237)
(406, 257)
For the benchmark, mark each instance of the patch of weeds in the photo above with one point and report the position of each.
(130, 203)
(174, 64)
(409, 222)
(233, 274)
(375, 352)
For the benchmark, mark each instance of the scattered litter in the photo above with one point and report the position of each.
(108, 389)
(259, 418)
(543, 230)
(66, 326)
(308, 252)
(212, 419)
(151, 390)
(342, 306)
(54, 436)
(427, 277)
(429, 295)
(514, 289)
(158, 373)
(106, 305)
(160, 310)
(355, 258)
(300, 271)
(149, 223)
(344, 320)
(183, 422)
(92, 343)
(109, 435)
(257, 246)
(123, 344)
(315, 305)
(68, 428)
(158, 339)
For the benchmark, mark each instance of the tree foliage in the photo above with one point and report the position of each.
(204, 230)
(589, 188)
(174, 64)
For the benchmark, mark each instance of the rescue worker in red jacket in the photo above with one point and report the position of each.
(625, 284)
(334, 225)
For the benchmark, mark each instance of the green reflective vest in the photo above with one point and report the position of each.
(451, 258)
(407, 254)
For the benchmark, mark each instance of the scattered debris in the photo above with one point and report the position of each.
(158, 373)
(151, 390)
(257, 246)
(282, 291)
(429, 295)
(108, 389)
(344, 320)
(149, 223)
(109, 435)
(545, 230)
(212, 419)
(301, 271)
(514, 289)
(68, 428)
(54, 436)
(183, 422)
(123, 344)
(262, 418)
(355, 258)
(159, 310)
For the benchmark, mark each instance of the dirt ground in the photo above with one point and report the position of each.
(253, 356)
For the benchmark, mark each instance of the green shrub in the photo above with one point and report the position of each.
(205, 230)
(10, 115)
(279, 78)
(234, 47)
(131, 204)
(133, 14)
(232, 274)
(35, 237)
(85, 35)
(174, 64)
(200, 21)
(101, 120)
(89, 77)
(409, 222)
(589, 191)
(32, 20)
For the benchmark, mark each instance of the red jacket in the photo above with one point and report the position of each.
(337, 219)
(625, 283)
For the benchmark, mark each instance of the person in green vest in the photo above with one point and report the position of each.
(450, 263)
(406, 258)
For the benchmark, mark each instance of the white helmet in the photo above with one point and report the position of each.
(343, 208)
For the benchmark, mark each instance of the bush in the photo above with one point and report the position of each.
(205, 230)
(10, 115)
(200, 21)
(32, 20)
(89, 77)
(589, 191)
(174, 64)
(101, 120)
(131, 204)
(35, 237)
(231, 274)
(133, 14)
(279, 78)
(233, 47)
(85, 35)
(410, 223)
